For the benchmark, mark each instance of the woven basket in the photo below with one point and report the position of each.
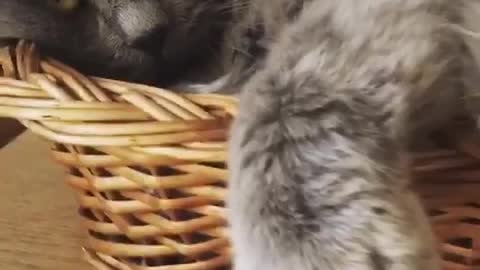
(148, 167)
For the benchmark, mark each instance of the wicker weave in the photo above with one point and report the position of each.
(148, 167)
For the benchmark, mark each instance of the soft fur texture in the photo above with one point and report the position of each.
(148, 41)
(329, 103)
(332, 92)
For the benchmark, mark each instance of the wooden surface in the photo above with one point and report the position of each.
(39, 228)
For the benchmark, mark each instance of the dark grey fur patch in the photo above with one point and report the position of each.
(379, 210)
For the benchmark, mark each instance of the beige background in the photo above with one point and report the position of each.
(39, 229)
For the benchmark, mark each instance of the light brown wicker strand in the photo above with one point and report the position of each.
(32, 65)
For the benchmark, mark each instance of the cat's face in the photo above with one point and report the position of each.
(138, 40)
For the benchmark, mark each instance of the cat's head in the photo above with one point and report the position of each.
(137, 40)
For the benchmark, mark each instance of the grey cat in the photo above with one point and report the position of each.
(148, 41)
(335, 93)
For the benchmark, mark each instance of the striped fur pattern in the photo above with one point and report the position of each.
(332, 93)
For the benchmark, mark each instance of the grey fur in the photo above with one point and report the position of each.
(332, 94)
(328, 109)
(150, 41)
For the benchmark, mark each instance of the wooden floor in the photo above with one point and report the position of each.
(39, 229)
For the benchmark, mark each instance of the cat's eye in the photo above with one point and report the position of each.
(66, 5)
